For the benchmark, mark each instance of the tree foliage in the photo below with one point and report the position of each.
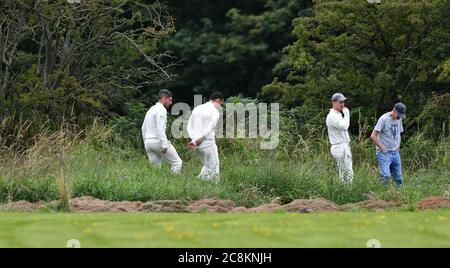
(375, 54)
(230, 46)
(74, 61)
(62, 61)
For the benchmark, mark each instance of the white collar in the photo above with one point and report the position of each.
(210, 103)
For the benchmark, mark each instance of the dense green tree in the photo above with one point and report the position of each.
(64, 60)
(376, 54)
(70, 62)
(230, 46)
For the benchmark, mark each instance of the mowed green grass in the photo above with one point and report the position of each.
(340, 229)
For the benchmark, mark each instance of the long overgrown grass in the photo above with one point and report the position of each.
(100, 163)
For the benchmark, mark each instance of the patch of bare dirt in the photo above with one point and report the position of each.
(311, 205)
(434, 202)
(275, 204)
(164, 206)
(298, 205)
(211, 205)
(262, 208)
(23, 205)
(371, 204)
(91, 204)
(239, 209)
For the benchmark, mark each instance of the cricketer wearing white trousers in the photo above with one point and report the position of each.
(155, 139)
(339, 140)
(201, 126)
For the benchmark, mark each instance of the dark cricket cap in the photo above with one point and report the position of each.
(338, 97)
(401, 109)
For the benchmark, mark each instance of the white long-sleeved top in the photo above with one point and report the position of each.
(154, 126)
(338, 126)
(202, 124)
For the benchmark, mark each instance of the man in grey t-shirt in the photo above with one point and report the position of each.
(386, 136)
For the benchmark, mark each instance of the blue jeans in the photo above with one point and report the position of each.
(390, 166)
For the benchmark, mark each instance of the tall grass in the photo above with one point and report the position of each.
(100, 163)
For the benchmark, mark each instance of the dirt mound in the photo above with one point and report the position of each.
(371, 204)
(435, 202)
(91, 204)
(297, 205)
(240, 209)
(211, 205)
(164, 206)
(275, 204)
(310, 205)
(262, 208)
(25, 205)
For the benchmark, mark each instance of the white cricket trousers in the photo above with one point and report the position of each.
(209, 157)
(156, 156)
(341, 152)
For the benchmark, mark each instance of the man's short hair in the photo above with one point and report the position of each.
(216, 95)
(164, 93)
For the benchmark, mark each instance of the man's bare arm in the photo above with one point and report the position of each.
(374, 138)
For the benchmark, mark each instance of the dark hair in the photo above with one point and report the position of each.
(164, 93)
(216, 95)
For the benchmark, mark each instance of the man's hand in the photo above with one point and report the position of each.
(164, 150)
(191, 145)
(381, 147)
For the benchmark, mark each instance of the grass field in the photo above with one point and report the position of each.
(98, 162)
(62, 165)
(114, 173)
(343, 229)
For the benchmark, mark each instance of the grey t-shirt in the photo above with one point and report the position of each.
(389, 132)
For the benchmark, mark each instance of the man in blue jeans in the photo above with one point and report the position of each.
(386, 136)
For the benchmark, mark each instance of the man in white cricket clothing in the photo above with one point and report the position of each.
(201, 129)
(338, 121)
(157, 146)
